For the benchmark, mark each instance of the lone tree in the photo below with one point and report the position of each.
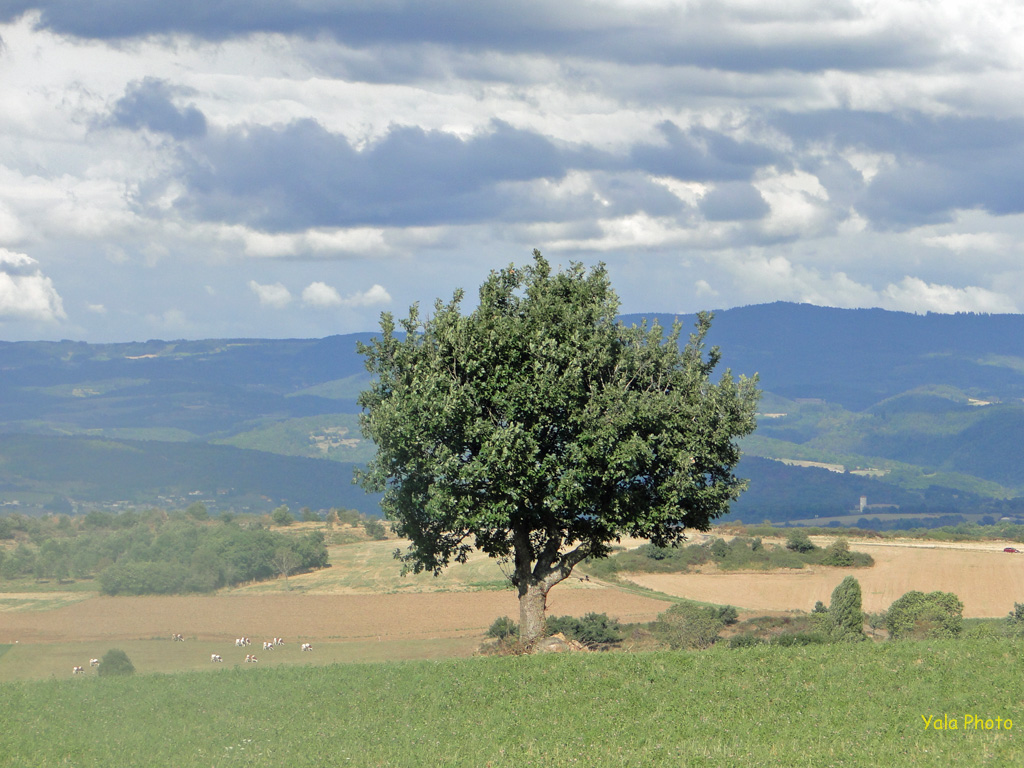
(845, 619)
(540, 430)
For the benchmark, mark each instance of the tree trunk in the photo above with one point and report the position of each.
(533, 601)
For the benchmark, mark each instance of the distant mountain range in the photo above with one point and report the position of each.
(921, 414)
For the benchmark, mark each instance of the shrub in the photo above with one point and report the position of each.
(917, 615)
(838, 554)
(728, 614)
(282, 516)
(375, 530)
(116, 662)
(592, 629)
(799, 541)
(746, 640)
(719, 548)
(503, 628)
(788, 639)
(687, 625)
(845, 619)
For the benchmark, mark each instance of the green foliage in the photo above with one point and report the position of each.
(687, 625)
(198, 511)
(798, 541)
(920, 615)
(789, 639)
(728, 614)
(502, 628)
(740, 553)
(720, 549)
(746, 640)
(309, 516)
(282, 516)
(183, 556)
(845, 618)
(539, 429)
(115, 663)
(1016, 616)
(592, 629)
(838, 554)
(375, 529)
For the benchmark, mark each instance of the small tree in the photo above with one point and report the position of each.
(198, 511)
(845, 618)
(375, 529)
(920, 615)
(799, 541)
(115, 662)
(539, 429)
(687, 625)
(282, 516)
(503, 628)
(838, 554)
(285, 561)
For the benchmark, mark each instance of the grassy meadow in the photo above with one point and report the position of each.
(858, 705)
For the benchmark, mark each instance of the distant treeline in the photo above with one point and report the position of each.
(782, 493)
(741, 553)
(964, 531)
(154, 552)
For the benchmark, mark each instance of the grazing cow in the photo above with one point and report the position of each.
(307, 646)
(77, 671)
(177, 638)
(94, 662)
(215, 657)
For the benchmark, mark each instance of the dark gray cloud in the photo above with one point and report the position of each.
(939, 163)
(734, 201)
(304, 176)
(702, 34)
(301, 175)
(147, 104)
(702, 155)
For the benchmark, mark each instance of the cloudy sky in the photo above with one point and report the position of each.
(278, 168)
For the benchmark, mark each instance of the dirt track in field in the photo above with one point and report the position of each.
(309, 617)
(987, 580)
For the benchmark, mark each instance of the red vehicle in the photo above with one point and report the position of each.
(1011, 549)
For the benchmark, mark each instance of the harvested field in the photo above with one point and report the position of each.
(987, 580)
(307, 618)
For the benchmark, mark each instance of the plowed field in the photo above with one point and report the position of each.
(987, 580)
(306, 617)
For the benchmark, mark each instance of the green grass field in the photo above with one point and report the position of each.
(815, 706)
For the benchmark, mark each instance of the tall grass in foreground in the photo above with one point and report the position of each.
(855, 705)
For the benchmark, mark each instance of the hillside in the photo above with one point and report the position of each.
(924, 412)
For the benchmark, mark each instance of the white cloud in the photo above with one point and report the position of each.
(275, 295)
(703, 288)
(913, 294)
(321, 295)
(98, 309)
(25, 292)
(374, 296)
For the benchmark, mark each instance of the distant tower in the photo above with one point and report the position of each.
(863, 504)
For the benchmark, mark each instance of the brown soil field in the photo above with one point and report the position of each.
(308, 618)
(987, 580)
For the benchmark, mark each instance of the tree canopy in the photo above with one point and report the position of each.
(540, 430)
